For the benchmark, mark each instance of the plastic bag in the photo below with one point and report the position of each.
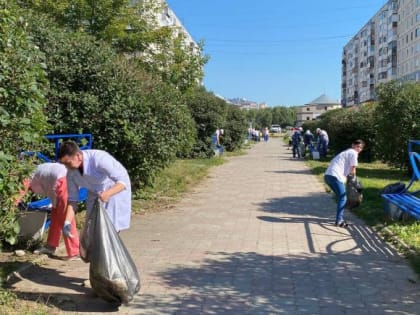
(392, 212)
(354, 194)
(112, 272)
(394, 188)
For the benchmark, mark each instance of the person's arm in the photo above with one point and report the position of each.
(70, 213)
(353, 171)
(105, 195)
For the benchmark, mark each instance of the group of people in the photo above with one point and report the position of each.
(99, 172)
(302, 141)
(256, 134)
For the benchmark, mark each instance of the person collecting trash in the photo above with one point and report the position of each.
(112, 273)
(49, 179)
(103, 177)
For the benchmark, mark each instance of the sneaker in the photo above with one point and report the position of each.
(342, 224)
(45, 250)
(74, 258)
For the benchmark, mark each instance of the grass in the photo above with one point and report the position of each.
(374, 177)
(172, 182)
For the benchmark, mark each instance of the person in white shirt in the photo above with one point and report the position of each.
(49, 179)
(323, 141)
(341, 166)
(104, 178)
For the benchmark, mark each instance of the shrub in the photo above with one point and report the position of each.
(398, 120)
(348, 124)
(209, 113)
(22, 122)
(134, 116)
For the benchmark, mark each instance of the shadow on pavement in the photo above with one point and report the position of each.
(50, 279)
(310, 211)
(251, 283)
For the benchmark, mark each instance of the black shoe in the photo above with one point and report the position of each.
(342, 224)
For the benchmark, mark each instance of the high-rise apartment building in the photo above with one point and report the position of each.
(387, 47)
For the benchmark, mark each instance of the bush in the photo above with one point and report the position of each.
(235, 128)
(134, 116)
(209, 113)
(22, 122)
(348, 124)
(398, 120)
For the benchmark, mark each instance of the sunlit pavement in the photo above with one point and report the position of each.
(256, 237)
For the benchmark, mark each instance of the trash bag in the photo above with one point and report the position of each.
(112, 272)
(392, 212)
(354, 193)
(394, 188)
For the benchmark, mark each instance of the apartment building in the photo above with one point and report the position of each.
(408, 47)
(167, 17)
(385, 48)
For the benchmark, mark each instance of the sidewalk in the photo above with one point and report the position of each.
(256, 237)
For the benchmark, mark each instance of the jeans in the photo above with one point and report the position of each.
(322, 147)
(296, 150)
(340, 194)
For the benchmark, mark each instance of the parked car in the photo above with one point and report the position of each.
(275, 129)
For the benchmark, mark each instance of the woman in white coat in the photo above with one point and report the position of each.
(104, 178)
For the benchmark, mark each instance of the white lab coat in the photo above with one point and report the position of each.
(100, 172)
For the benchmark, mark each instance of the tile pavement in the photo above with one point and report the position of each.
(256, 237)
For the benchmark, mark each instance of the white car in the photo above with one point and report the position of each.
(275, 129)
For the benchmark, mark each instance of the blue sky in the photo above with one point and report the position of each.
(275, 51)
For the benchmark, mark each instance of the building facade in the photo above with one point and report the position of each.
(315, 108)
(385, 48)
(167, 17)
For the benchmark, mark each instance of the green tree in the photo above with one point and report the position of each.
(132, 28)
(209, 113)
(397, 119)
(264, 118)
(135, 116)
(22, 121)
(235, 128)
(284, 116)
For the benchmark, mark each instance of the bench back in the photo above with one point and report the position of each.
(414, 158)
(415, 162)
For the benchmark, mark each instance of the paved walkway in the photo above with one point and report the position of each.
(256, 237)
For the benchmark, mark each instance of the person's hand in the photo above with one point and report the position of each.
(67, 229)
(22, 206)
(103, 196)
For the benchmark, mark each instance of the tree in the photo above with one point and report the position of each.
(397, 119)
(132, 28)
(134, 115)
(235, 128)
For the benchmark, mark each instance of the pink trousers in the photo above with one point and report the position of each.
(58, 216)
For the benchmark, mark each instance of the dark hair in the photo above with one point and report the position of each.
(68, 148)
(357, 142)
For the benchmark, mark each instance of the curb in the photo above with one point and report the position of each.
(384, 231)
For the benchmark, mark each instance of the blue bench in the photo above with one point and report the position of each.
(408, 201)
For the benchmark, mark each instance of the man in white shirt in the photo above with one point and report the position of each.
(341, 166)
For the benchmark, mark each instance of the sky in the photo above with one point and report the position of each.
(280, 52)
